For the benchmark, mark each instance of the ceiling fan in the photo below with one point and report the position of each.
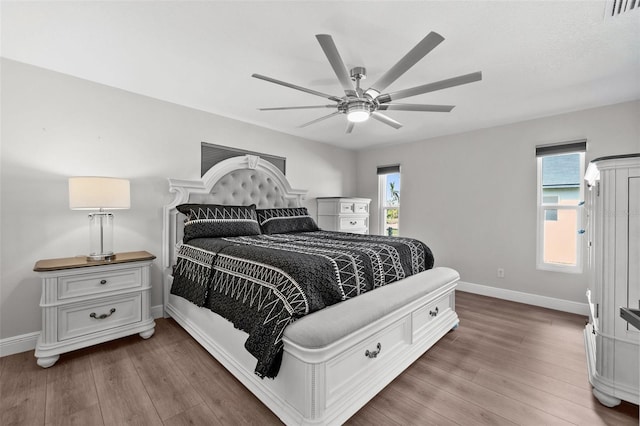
(358, 104)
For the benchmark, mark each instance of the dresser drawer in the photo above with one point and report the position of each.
(346, 371)
(80, 319)
(349, 223)
(346, 208)
(98, 282)
(361, 208)
(423, 316)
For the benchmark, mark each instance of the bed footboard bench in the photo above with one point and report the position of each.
(337, 359)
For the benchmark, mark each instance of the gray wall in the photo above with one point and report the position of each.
(472, 197)
(55, 126)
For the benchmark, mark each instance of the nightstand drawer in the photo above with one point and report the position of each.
(349, 223)
(96, 283)
(80, 319)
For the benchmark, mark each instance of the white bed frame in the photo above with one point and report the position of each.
(371, 339)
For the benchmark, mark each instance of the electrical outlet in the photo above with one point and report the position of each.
(500, 273)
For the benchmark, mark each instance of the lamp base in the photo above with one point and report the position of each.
(101, 257)
(101, 237)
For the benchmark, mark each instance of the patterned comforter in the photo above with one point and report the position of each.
(262, 283)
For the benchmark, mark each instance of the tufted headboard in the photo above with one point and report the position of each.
(242, 180)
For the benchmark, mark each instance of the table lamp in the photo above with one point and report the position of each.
(99, 193)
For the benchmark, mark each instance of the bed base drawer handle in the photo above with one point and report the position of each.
(373, 354)
(103, 316)
(434, 312)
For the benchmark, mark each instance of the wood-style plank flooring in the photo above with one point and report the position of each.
(507, 363)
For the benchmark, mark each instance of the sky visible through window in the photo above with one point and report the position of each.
(392, 178)
(390, 210)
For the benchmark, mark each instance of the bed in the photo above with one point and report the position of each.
(332, 361)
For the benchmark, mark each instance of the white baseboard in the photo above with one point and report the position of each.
(157, 311)
(528, 298)
(27, 342)
(17, 344)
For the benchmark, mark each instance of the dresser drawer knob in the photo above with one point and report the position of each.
(353, 222)
(103, 316)
(373, 354)
(434, 312)
(103, 282)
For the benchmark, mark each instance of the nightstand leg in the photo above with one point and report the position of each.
(47, 361)
(148, 333)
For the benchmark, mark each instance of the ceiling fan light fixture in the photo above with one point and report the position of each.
(357, 112)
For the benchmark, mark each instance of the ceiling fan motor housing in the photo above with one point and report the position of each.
(358, 73)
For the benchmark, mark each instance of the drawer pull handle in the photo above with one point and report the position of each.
(353, 222)
(103, 282)
(434, 312)
(103, 316)
(373, 354)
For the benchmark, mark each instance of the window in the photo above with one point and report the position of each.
(389, 199)
(560, 195)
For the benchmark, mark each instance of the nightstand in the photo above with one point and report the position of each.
(88, 302)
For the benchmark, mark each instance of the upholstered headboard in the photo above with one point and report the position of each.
(243, 180)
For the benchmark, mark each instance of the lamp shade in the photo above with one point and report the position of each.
(89, 193)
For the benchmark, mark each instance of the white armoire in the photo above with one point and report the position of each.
(613, 229)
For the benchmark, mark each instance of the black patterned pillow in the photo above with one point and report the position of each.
(281, 221)
(214, 220)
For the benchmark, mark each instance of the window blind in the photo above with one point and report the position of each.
(562, 148)
(211, 154)
(385, 170)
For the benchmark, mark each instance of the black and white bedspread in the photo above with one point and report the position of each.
(262, 283)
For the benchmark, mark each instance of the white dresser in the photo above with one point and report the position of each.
(344, 214)
(613, 229)
(88, 302)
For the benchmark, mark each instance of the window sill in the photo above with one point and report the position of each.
(559, 268)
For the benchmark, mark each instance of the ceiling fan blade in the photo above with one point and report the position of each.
(350, 126)
(420, 50)
(416, 107)
(386, 120)
(320, 119)
(293, 86)
(331, 51)
(296, 107)
(431, 87)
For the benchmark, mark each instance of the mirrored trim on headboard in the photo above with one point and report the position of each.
(244, 180)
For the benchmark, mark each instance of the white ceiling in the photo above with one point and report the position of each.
(538, 58)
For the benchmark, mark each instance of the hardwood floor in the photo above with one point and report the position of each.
(507, 363)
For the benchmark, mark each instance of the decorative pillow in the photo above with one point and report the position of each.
(281, 221)
(214, 220)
